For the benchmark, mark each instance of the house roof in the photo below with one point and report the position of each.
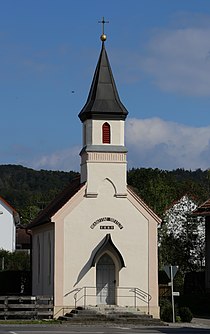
(10, 207)
(103, 100)
(59, 201)
(203, 209)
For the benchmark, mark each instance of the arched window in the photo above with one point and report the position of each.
(106, 133)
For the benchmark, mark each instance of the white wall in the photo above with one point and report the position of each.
(93, 132)
(80, 240)
(76, 241)
(7, 228)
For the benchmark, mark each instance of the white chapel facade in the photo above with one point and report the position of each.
(96, 242)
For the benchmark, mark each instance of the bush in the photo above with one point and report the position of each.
(185, 314)
(166, 313)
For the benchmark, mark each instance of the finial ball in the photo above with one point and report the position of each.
(103, 37)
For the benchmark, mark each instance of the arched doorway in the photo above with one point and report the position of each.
(105, 280)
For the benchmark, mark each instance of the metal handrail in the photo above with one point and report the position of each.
(138, 294)
(77, 290)
(143, 295)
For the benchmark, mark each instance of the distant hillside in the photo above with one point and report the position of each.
(159, 188)
(29, 190)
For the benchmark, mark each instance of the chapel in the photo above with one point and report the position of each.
(95, 244)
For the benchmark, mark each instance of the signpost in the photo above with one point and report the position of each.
(171, 272)
(176, 293)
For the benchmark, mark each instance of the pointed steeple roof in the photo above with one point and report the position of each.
(103, 100)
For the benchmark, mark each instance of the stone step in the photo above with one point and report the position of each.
(114, 309)
(114, 315)
(95, 320)
(128, 315)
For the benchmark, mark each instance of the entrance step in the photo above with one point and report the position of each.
(112, 314)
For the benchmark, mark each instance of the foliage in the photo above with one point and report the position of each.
(159, 188)
(166, 313)
(185, 314)
(14, 261)
(182, 237)
(198, 303)
(28, 190)
(15, 282)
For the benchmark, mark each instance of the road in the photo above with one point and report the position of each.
(109, 329)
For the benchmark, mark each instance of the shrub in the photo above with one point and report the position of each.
(166, 310)
(167, 314)
(185, 314)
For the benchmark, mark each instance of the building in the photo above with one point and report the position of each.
(23, 239)
(96, 243)
(9, 218)
(204, 211)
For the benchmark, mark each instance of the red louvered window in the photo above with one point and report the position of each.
(106, 133)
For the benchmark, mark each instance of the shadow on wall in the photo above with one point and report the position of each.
(89, 263)
(105, 244)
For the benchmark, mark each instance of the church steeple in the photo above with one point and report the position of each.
(103, 156)
(103, 100)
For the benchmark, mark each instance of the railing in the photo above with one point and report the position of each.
(26, 307)
(81, 295)
(140, 294)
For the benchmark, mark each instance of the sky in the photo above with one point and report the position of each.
(159, 52)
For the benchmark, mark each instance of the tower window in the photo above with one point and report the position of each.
(106, 133)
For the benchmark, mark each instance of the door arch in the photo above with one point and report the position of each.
(105, 280)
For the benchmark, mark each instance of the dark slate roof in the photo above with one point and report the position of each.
(60, 200)
(103, 101)
(203, 209)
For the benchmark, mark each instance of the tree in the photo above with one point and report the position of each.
(182, 237)
(14, 261)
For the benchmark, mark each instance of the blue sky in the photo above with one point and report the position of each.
(159, 52)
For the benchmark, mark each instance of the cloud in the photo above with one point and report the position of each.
(65, 160)
(178, 60)
(167, 145)
(151, 143)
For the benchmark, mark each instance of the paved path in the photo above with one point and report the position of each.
(196, 327)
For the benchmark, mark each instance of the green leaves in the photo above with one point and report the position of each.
(28, 190)
(14, 261)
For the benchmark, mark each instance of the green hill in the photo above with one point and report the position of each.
(29, 191)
